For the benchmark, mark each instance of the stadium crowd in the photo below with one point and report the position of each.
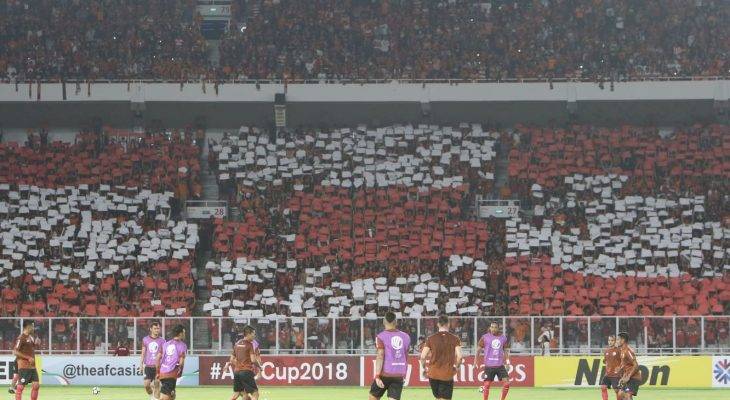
(692, 160)
(617, 39)
(353, 159)
(346, 223)
(326, 39)
(353, 202)
(101, 39)
(158, 161)
(627, 221)
(660, 229)
(89, 228)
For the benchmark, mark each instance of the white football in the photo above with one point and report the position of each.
(95, 390)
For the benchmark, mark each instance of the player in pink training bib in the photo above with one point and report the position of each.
(171, 362)
(496, 357)
(391, 364)
(151, 347)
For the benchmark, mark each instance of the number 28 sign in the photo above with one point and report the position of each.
(196, 212)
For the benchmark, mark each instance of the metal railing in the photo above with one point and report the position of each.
(571, 335)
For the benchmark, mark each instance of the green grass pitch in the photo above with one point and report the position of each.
(352, 393)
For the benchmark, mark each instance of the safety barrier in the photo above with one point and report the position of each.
(659, 336)
(525, 371)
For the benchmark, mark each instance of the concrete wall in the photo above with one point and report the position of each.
(320, 104)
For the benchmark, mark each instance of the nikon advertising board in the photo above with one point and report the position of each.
(669, 371)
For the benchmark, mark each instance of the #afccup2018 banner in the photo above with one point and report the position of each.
(346, 371)
(105, 370)
(288, 370)
(669, 371)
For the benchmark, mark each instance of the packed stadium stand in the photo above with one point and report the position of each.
(328, 226)
(350, 222)
(689, 160)
(325, 39)
(155, 162)
(359, 200)
(476, 40)
(86, 40)
(638, 211)
(660, 230)
(90, 228)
